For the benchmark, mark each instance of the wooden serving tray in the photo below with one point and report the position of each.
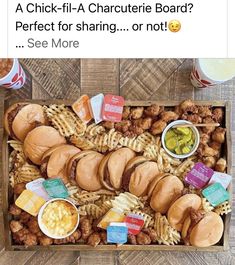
(224, 242)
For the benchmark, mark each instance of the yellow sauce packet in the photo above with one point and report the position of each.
(30, 202)
(113, 215)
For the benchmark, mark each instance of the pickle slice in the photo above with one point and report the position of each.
(170, 134)
(178, 150)
(191, 142)
(171, 143)
(184, 131)
(186, 150)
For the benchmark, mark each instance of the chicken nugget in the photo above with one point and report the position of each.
(19, 188)
(15, 226)
(126, 112)
(158, 127)
(15, 210)
(194, 118)
(188, 107)
(219, 135)
(204, 111)
(221, 165)
(33, 225)
(108, 125)
(218, 114)
(136, 113)
(152, 110)
(168, 116)
(45, 240)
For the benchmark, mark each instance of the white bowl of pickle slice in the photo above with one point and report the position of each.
(180, 142)
(58, 218)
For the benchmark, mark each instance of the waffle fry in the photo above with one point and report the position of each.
(184, 168)
(105, 207)
(101, 143)
(148, 210)
(113, 139)
(94, 129)
(91, 209)
(27, 173)
(151, 151)
(148, 220)
(171, 160)
(146, 138)
(223, 208)
(166, 234)
(84, 197)
(81, 142)
(16, 145)
(64, 120)
(12, 157)
(72, 189)
(206, 206)
(103, 199)
(126, 202)
(132, 143)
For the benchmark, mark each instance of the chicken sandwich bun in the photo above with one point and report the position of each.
(112, 167)
(83, 168)
(56, 159)
(167, 189)
(139, 173)
(180, 210)
(21, 118)
(202, 229)
(39, 140)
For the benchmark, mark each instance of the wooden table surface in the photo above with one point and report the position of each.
(143, 79)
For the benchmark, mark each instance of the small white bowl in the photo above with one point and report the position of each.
(43, 227)
(196, 134)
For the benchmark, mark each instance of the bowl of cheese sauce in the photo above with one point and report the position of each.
(58, 218)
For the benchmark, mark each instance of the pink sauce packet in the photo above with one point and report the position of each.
(199, 175)
(112, 108)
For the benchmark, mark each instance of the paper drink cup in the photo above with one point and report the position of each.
(211, 72)
(12, 75)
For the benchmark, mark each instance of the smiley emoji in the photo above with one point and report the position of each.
(174, 25)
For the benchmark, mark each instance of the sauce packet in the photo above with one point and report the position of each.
(30, 202)
(95, 106)
(223, 178)
(112, 108)
(215, 194)
(37, 187)
(199, 175)
(81, 108)
(113, 215)
(55, 188)
(117, 233)
(134, 223)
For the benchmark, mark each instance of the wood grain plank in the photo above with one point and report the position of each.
(38, 92)
(40, 258)
(71, 67)
(52, 78)
(13, 258)
(146, 78)
(53, 258)
(178, 85)
(98, 258)
(99, 76)
(174, 258)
